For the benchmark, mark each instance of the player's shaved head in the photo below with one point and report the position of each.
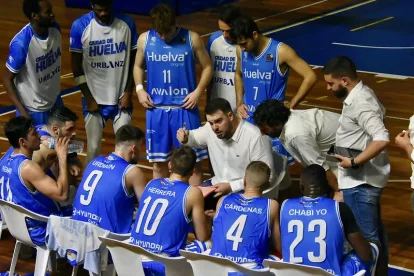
(257, 175)
(313, 181)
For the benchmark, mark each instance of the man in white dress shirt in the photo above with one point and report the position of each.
(405, 141)
(232, 144)
(364, 167)
(306, 134)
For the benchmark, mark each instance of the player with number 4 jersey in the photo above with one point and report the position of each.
(246, 224)
(314, 229)
(106, 194)
(163, 219)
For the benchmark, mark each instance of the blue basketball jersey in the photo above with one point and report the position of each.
(312, 233)
(102, 197)
(14, 190)
(162, 224)
(170, 67)
(242, 229)
(262, 77)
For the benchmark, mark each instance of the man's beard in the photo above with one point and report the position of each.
(341, 92)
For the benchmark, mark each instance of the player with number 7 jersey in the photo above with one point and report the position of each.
(166, 209)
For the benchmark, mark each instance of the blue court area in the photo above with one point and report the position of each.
(377, 35)
(398, 272)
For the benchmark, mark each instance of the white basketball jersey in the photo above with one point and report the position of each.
(106, 53)
(223, 56)
(36, 62)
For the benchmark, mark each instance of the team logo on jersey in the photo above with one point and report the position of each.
(111, 158)
(308, 203)
(183, 40)
(269, 57)
(166, 184)
(244, 201)
(11, 59)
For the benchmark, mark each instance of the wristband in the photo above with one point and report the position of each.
(80, 80)
(139, 87)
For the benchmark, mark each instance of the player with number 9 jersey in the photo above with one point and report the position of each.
(102, 197)
(242, 230)
(110, 185)
(312, 233)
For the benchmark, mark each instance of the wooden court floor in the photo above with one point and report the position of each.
(396, 95)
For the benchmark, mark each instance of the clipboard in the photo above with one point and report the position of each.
(207, 190)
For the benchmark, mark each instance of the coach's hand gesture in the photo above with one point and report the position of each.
(182, 135)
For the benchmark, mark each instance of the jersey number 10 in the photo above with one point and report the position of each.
(149, 231)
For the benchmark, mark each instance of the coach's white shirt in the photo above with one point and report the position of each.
(308, 135)
(362, 122)
(229, 158)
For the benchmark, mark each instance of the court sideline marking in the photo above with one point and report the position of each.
(277, 14)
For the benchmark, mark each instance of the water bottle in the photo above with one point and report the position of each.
(74, 146)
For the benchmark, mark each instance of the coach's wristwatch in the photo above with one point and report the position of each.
(353, 165)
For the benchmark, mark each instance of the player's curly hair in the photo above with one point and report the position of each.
(243, 27)
(271, 113)
(30, 7)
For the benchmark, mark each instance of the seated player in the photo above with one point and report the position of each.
(24, 183)
(246, 224)
(166, 209)
(314, 229)
(61, 122)
(110, 185)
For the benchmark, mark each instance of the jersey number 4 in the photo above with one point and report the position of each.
(236, 230)
(320, 239)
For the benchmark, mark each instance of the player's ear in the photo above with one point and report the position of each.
(169, 165)
(55, 129)
(244, 182)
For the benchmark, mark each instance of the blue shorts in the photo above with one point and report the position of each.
(277, 146)
(352, 264)
(153, 268)
(107, 112)
(162, 125)
(40, 118)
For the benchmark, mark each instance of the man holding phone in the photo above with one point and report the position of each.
(307, 134)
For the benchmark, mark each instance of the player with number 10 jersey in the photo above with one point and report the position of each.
(163, 219)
